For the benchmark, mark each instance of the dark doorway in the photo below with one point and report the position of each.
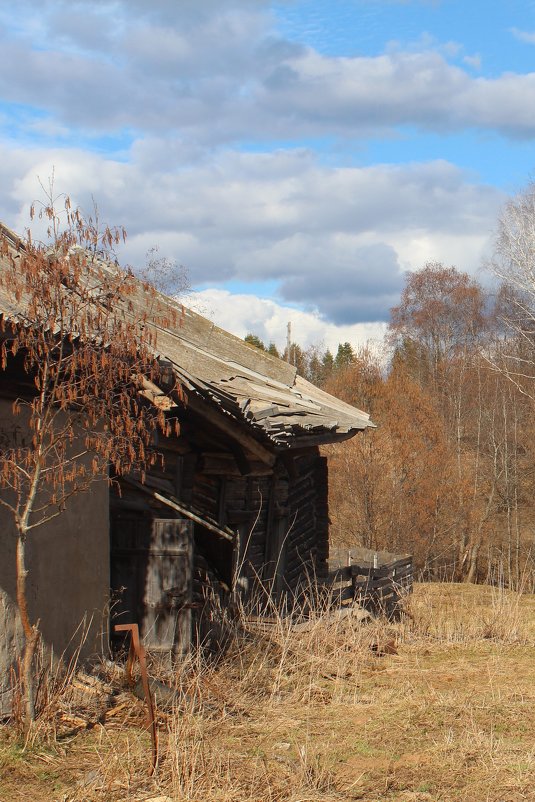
(151, 579)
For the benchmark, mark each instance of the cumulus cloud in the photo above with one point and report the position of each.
(167, 89)
(474, 61)
(364, 290)
(242, 314)
(334, 240)
(394, 89)
(215, 73)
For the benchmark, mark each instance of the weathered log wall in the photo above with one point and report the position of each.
(278, 514)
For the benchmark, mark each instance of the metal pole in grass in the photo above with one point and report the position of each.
(138, 650)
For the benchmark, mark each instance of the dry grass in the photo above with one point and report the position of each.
(316, 714)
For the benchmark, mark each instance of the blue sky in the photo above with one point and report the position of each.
(297, 157)
(486, 39)
(364, 27)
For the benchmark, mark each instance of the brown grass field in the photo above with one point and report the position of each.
(316, 715)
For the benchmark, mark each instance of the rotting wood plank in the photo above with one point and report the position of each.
(301, 545)
(405, 558)
(221, 466)
(342, 574)
(198, 330)
(377, 589)
(232, 427)
(398, 577)
(360, 570)
(175, 505)
(372, 584)
(305, 442)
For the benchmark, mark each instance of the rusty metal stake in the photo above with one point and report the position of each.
(138, 650)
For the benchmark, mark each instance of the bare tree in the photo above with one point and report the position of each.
(83, 342)
(514, 265)
(441, 315)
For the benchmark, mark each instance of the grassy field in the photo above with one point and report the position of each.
(438, 707)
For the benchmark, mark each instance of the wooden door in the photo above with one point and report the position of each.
(151, 579)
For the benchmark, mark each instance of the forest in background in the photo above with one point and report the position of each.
(448, 474)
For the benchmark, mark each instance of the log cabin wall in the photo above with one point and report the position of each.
(282, 521)
(247, 509)
(308, 535)
(235, 461)
(281, 518)
(279, 515)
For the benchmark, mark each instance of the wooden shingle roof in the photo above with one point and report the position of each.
(263, 392)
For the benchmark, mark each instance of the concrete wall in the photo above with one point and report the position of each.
(68, 581)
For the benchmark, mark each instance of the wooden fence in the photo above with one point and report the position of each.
(377, 581)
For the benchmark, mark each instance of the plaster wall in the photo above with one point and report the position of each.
(68, 580)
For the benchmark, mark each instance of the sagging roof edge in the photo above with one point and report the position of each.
(278, 441)
(253, 389)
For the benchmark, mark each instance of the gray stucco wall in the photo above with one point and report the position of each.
(68, 580)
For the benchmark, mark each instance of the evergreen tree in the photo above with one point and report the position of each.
(256, 342)
(297, 358)
(344, 356)
(327, 365)
(315, 370)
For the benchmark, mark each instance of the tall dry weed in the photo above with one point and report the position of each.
(256, 724)
(453, 613)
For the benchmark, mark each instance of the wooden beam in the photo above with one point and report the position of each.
(244, 466)
(302, 443)
(231, 427)
(223, 465)
(155, 395)
(181, 508)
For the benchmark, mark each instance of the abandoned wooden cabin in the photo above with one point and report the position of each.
(240, 500)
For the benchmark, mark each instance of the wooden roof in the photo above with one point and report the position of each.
(249, 385)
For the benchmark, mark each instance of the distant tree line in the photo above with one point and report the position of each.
(314, 363)
(449, 473)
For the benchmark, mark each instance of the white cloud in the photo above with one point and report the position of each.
(177, 82)
(524, 36)
(474, 61)
(243, 314)
(397, 88)
(335, 240)
(215, 73)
